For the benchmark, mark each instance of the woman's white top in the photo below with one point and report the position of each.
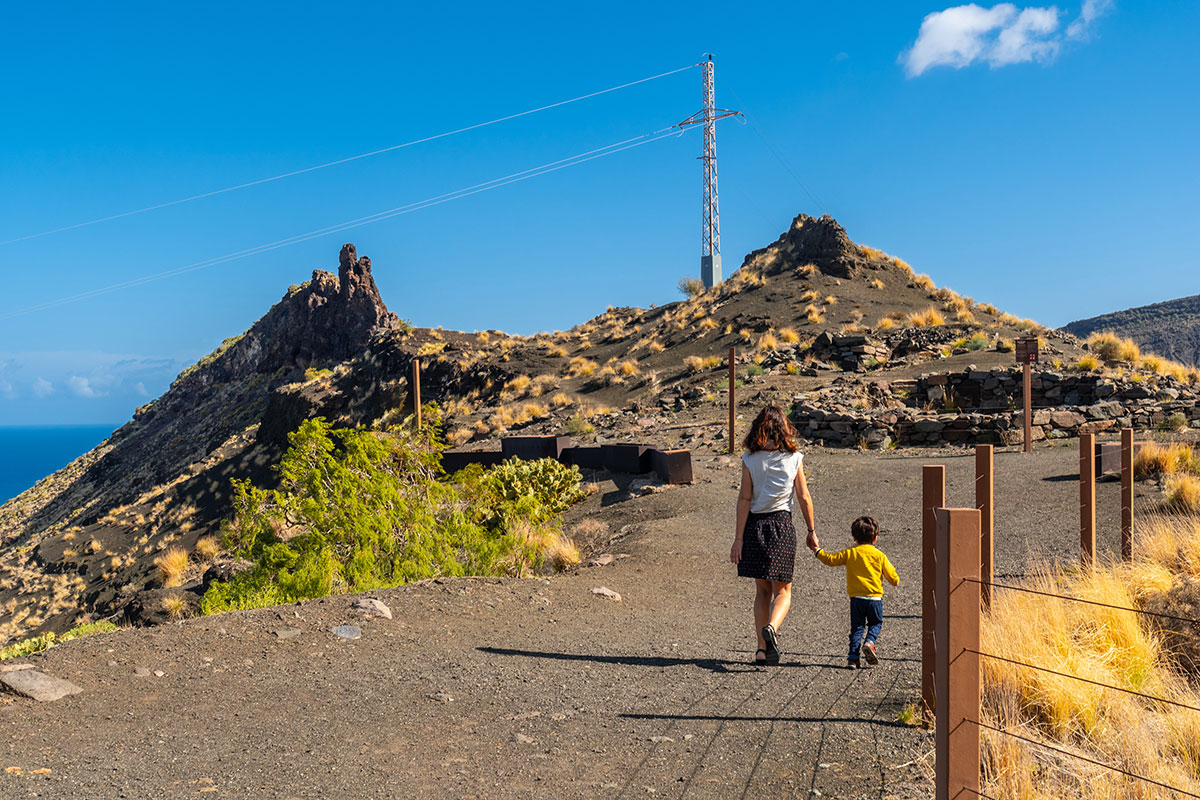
(773, 475)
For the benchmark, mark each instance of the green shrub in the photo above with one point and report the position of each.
(37, 644)
(691, 287)
(752, 369)
(977, 342)
(578, 426)
(359, 510)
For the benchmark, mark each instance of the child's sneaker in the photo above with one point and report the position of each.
(868, 652)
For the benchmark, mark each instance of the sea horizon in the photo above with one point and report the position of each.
(29, 453)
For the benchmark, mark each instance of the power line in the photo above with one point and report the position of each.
(775, 151)
(346, 160)
(495, 183)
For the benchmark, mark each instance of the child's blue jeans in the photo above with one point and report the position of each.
(866, 616)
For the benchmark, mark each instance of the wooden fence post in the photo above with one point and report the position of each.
(985, 496)
(1087, 499)
(1028, 407)
(933, 497)
(416, 390)
(1127, 494)
(957, 740)
(732, 403)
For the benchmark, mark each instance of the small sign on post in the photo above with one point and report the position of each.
(1027, 355)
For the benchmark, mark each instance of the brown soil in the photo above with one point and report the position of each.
(536, 687)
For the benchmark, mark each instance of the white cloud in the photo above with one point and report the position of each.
(141, 390)
(1003, 34)
(81, 387)
(1091, 11)
(42, 388)
(6, 389)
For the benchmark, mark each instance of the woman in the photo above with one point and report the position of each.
(764, 547)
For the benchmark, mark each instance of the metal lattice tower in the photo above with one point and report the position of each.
(710, 226)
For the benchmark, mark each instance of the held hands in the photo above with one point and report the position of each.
(813, 542)
(735, 552)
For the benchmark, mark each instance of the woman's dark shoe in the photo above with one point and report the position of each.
(771, 640)
(760, 660)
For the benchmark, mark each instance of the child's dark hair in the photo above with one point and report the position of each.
(771, 431)
(865, 530)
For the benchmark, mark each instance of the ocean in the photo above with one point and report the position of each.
(28, 454)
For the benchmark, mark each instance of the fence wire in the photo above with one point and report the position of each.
(1084, 680)
(1027, 590)
(1092, 761)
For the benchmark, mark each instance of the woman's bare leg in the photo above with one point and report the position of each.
(780, 603)
(762, 608)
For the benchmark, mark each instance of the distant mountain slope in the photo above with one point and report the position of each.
(1170, 329)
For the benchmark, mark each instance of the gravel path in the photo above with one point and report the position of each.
(538, 688)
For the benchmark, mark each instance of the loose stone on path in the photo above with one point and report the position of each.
(373, 607)
(604, 591)
(38, 685)
(287, 633)
(346, 631)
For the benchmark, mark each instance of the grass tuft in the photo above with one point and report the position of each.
(172, 566)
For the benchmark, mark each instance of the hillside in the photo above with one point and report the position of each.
(1170, 329)
(813, 315)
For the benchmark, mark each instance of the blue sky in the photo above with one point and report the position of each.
(1042, 158)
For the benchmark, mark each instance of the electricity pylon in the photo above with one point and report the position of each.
(710, 234)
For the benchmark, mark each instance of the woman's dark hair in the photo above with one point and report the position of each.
(770, 431)
(865, 530)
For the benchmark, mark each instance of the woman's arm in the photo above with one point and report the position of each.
(806, 509)
(743, 511)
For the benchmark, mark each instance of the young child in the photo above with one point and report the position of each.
(866, 566)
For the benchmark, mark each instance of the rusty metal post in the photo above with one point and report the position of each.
(1127, 494)
(732, 398)
(985, 501)
(956, 763)
(933, 497)
(1087, 499)
(416, 390)
(1028, 407)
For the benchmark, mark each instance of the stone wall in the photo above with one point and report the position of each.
(1071, 405)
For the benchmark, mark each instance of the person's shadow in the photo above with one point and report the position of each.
(717, 665)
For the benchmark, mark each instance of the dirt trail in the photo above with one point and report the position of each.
(537, 688)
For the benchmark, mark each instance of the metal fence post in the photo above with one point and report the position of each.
(1087, 499)
(933, 497)
(957, 764)
(985, 497)
(1127, 494)
(732, 403)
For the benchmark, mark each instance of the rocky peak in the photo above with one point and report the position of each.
(811, 240)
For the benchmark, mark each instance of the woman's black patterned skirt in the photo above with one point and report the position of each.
(769, 547)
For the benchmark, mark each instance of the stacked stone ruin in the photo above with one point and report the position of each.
(982, 407)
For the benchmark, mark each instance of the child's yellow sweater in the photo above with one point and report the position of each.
(866, 566)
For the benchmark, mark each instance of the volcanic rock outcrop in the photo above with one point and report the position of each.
(820, 241)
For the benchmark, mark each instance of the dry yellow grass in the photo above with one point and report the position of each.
(172, 566)
(707, 324)
(885, 324)
(562, 400)
(1164, 459)
(814, 315)
(1182, 493)
(1110, 647)
(207, 548)
(964, 317)
(656, 347)
(516, 387)
(808, 295)
(1087, 364)
(923, 282)
(627, 369)
(745, 334)
(580, 367)
(871, 252)
(175, 606)
(788, 336)
(807, 270)
(877, 284)
(768, 342)
(929, 318)
(696, 363)
(1113, 348)
(831, 300)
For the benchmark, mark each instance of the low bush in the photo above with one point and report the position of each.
(1182, 493)
(691, 287)
(1113, 348)
(37, 644)
(357, 510)
(1154, 459)
(929, 318)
